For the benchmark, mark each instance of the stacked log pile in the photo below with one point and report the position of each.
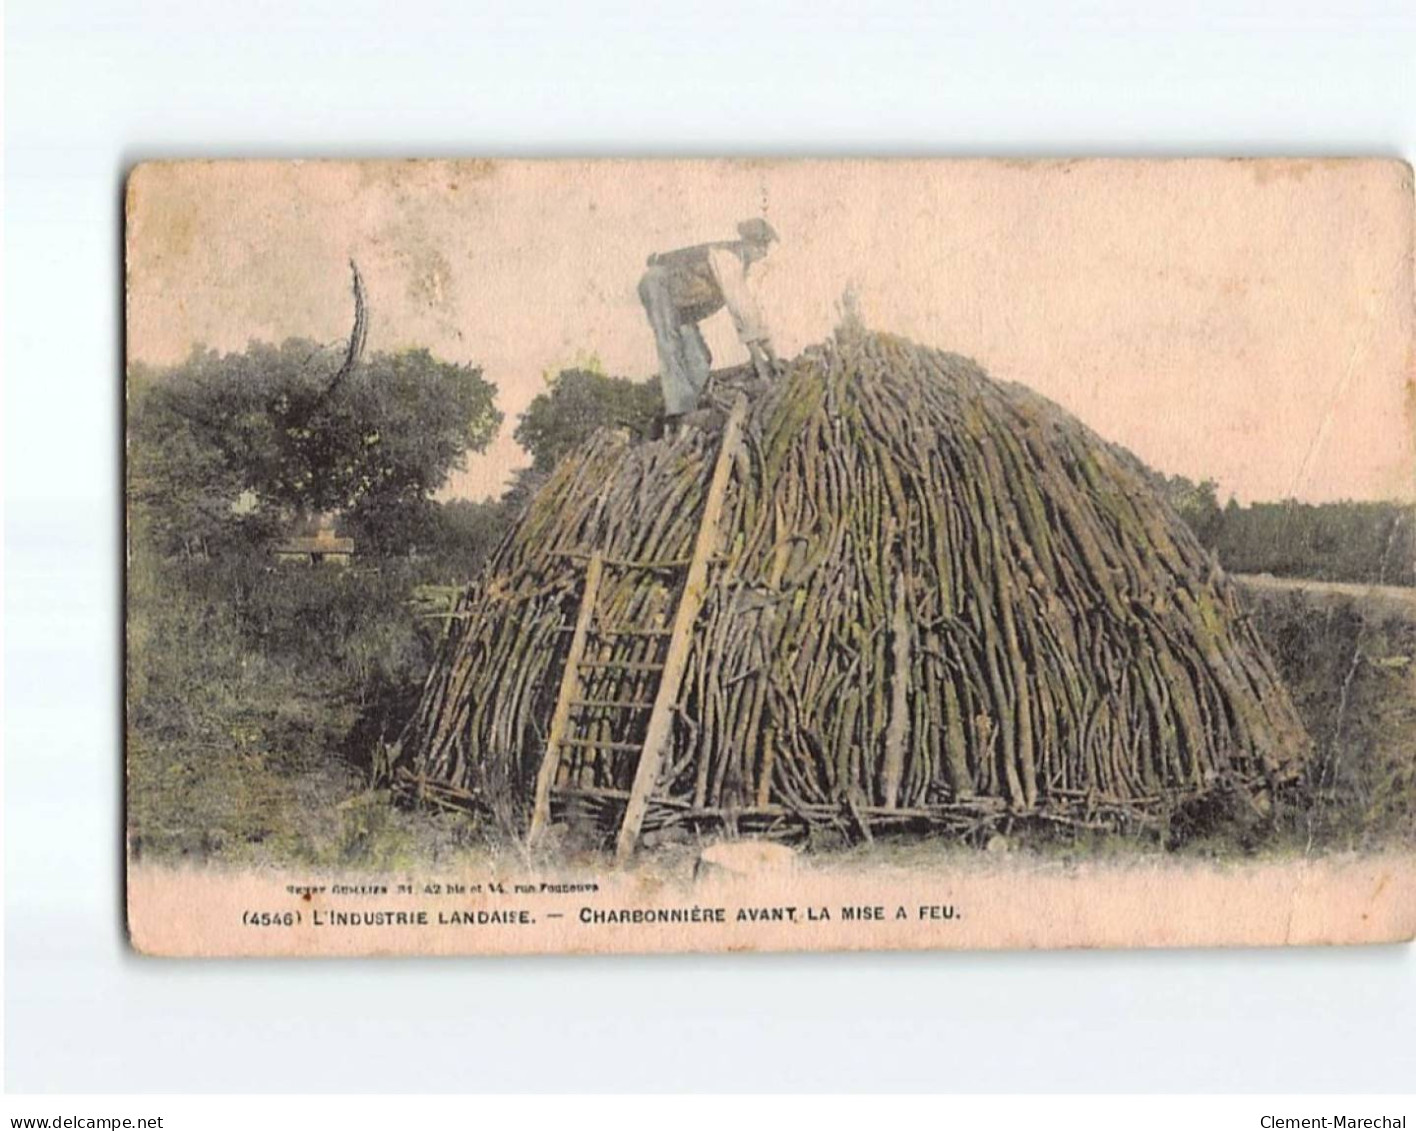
(937, 597)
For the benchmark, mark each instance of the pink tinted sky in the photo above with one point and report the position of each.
(1249, 322)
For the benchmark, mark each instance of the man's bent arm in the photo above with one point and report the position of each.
(739, 298)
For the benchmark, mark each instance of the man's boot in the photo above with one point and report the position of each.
(670, 424)
(707, 419)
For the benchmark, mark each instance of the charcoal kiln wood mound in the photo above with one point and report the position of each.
(927, 599)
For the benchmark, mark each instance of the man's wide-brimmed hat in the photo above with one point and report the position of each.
(757, 230)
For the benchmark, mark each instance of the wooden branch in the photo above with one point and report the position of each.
(357, 338)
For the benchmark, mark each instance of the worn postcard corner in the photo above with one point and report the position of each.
(627, 556)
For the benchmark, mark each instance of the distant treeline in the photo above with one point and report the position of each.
(1373, 543)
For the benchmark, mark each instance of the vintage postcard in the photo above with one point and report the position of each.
(633, 556)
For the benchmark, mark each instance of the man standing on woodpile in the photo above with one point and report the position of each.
(683, 287)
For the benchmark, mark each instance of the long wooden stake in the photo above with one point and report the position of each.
(695, 588)
(893, 769)
(569, 690)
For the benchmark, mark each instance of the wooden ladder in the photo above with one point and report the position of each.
(572, 701)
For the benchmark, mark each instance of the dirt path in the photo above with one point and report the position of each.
(1401, 594)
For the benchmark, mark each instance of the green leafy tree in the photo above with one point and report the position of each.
(1196, 503)
(577, 404)
(224, 447)
(1364, 542)
(1367, 542)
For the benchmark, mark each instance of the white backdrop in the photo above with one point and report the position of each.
(92, 88)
